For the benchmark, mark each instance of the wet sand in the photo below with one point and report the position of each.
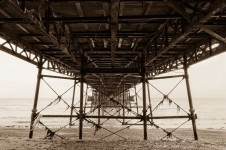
(12, 138)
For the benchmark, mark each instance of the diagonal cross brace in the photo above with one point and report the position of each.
(194, 26)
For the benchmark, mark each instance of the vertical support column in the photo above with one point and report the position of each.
(193, 117)
(72, 103)
(99, 96)
(81, 106)
(149, 98)
(34, 110)
(123, 102)
(143, 72)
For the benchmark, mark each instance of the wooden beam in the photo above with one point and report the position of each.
(214, 34)
(120, 25)
(106, 13)
(177, 8)
(136, 40)
(114, 25)
(81, 14)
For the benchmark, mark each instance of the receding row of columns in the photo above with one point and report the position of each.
(81, 111)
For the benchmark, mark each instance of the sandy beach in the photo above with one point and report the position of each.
(12, 138)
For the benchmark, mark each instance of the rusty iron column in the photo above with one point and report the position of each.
(72, 103)
(81, 106)
(143, 73)
(34, 110)
(99, 96)
(144, 107)
(193, 116)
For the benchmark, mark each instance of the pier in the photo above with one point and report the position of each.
(110, 47)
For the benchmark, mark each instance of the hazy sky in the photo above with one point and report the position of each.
(18, 79)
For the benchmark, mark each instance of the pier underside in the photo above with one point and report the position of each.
(112, 46)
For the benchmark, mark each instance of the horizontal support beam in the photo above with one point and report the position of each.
(137, 117)
(165, 77)
(104, 51)
(116, 117)
(59, 77)
(105, 20)
(121, 19)
(113, 106)
(110, 70)
(120, 34)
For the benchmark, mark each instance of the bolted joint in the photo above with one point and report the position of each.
(192, 111)
(59, 97)
(124, 123)
(147, 118)
(165, 97)
(144, 111)
(193, 116)
(34, 111)
(81, 116)
(34, 115)
(197, 27)
(144, 118)
(186, 76)
(83, 72)
(81, 111)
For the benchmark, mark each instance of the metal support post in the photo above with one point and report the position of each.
(81, 106)
(72, 103)
(143, 72)
(193, 117)
(34, 110)
(144, 107)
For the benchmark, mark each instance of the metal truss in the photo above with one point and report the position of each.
(113, 51)
(35, 58)
(195, 54)
(36, 115)
(162, 51)
(166, 98)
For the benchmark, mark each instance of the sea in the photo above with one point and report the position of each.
(211, 113)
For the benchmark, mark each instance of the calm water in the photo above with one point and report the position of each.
(211, 113)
